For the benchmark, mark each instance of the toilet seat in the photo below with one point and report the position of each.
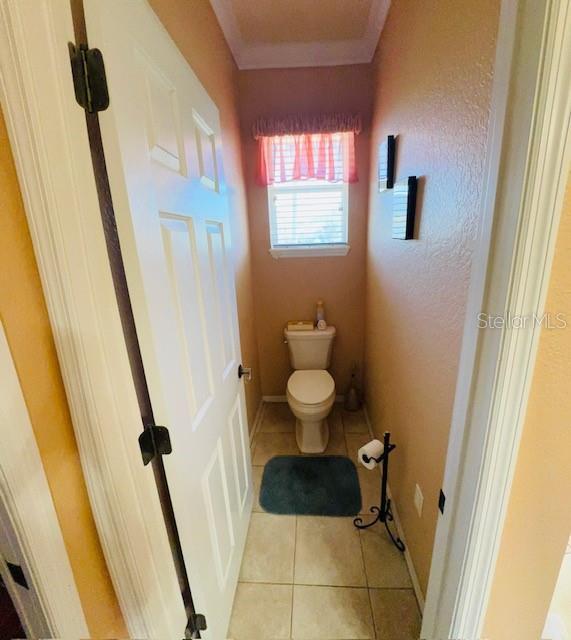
(311, 387)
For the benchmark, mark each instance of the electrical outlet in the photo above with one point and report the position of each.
(418, 500)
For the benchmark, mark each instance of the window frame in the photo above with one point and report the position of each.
(313, 249)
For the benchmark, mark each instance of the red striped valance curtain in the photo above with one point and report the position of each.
(303, 148)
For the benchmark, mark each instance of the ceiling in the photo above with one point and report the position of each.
(301, 33)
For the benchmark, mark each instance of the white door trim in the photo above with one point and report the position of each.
(28, 521)
(529, 149)
(51, 149)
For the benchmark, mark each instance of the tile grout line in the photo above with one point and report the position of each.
(327, 586)
(331, 586)
(367, 582)
(375, 632)
(293, 578)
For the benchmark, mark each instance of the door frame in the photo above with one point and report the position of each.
(526, 172)
(29, 524)
(522, 202)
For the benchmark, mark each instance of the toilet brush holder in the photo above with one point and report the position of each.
(383, 512)
(352, 399)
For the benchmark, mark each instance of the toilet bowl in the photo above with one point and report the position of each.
(310, 395)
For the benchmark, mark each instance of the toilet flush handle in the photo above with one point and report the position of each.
(245, 372)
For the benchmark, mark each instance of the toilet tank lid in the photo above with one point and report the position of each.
(316, 334)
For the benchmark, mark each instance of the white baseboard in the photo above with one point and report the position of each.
(398, 525)
(338, 398)
(407, 556)
(257, 421)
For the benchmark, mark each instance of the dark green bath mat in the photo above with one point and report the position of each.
(311, 486)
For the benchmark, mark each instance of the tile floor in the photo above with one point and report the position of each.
(319, 578)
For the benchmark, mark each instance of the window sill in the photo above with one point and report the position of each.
(310, 251)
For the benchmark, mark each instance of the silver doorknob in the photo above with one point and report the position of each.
(245, 372)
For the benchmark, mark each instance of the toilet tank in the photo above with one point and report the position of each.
(310, 349)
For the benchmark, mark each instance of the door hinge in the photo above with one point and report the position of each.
(17, 574)
(89, 79)
(441, 501)
(196, 624)
(154, 441)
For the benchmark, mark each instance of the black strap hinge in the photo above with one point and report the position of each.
(17, 574)
(154, 441)
(89, 80)
(441, 501)
(196, 624)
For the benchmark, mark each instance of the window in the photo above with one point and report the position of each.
(307, 181)
(308, 217)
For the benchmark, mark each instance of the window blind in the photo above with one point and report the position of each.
(308, 213)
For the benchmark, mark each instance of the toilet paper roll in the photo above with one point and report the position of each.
(373, 449)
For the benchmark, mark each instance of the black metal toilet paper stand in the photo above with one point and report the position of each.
(384, 513)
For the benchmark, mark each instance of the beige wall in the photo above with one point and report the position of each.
(538, 521)
(194, 28)
(24, 315)
(289, 288)
(434, 69)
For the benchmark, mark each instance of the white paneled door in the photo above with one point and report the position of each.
(161, 136)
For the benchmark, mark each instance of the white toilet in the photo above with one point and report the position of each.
(310, 388)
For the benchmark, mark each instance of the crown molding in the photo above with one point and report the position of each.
(301, 54)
